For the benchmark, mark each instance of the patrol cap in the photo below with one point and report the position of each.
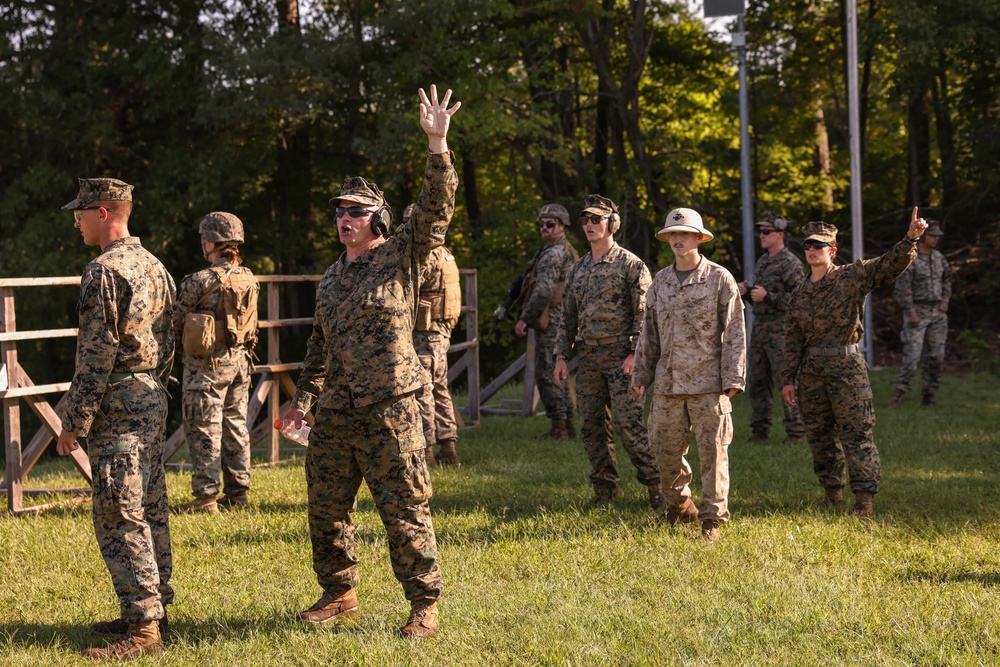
(408, 212)
(100, 189)
(359, 191)
(773, 220)
(220, 227)
(820, 231)
(934, 228)
(599, 205)
(684, 220)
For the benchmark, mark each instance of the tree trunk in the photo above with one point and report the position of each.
(945, 136)
(919, 129)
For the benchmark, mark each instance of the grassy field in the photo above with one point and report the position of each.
(536, 576)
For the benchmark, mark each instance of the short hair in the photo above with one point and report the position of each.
(119, 210)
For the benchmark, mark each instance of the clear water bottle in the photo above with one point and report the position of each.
(297, 435)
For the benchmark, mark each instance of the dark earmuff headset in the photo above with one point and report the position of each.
(382, 220)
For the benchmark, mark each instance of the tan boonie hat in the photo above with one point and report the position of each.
(684, 220)
(100, 189)
(359, 191)
(823, 232)
(934, 228)
(599, 205)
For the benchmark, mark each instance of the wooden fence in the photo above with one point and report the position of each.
(15, 385)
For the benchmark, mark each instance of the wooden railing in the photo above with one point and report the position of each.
(15, 385)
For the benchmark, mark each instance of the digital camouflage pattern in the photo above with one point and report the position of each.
(117, 402)
(221, 227)
(921, 291)
(100, 189)
(605, 398)
(691, 350)
(361, 370)
(216, 393)
(835, 394)
(436, 408)
(780, 274)
(549, 270)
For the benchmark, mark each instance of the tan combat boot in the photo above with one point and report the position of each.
(656, 499)
(119, 626)
(429, 457)
(234, 500)
(897, 398)
(863, 505)
(683, 513)
(143, 638)
(423, 622)
(331, 608)
(834, 496)
(207, 505)
(710, 530)
(447, 453)
(557, 431)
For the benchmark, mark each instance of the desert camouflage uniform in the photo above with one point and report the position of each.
(835, 394)
(550, 268)
(692, 349)
(361, 370)
(780, 275)
(603, 308)
(920, 291)
(436, 408)
(216, 395)
(117, 401)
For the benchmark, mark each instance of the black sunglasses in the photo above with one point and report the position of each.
(766, 232)
(813, 245)
(353, 211)
(592, 219)
(547, 224)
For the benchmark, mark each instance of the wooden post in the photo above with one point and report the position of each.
(273, 357)
(11, 406)
(472, 333)
(528, 406)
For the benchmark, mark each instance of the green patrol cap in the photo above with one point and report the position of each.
(820, 231)
(598, 204)
(357, 190)
(100, 189)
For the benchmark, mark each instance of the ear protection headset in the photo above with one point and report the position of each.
(780, 224)
(382, 220)
(614, 220)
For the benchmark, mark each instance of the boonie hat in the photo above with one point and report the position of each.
(358, 190)
(823, 232)
(100, 189)
(684, 220)
(934, 228)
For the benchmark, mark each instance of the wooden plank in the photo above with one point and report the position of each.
(287, 385)
(277, 368)
(38, 334)
(35, 390)
(11, 406)
(258, 396)
(528, 391)
(472, 334)
(290, 322)
(462, 347)
(38, 509)
(39, 282)
(274, 278)
(504, 378)
(173, 444)
(50, 429)
(457, 368)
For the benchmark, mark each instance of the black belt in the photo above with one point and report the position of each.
(831, 351)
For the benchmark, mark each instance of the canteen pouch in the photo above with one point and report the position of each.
(423, 322)
(199, 334)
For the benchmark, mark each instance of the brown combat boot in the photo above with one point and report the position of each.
(863, 505)
(656, 499)
(143, 638)
(557, 431)
(897, 398)
(331, 608)
(758, 437)
(429, 457)
(710, 530)
(793, 440)
(571, 427)
(119, 626)
(683, 513)
(238, 499)
(834, 496)
(423, 622)
(928, 399)
(447, 454)
(605, 494)
(207, 505)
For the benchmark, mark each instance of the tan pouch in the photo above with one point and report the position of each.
(423, 322)
(199, 334)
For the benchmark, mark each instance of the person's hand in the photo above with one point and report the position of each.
(788, 395)
(743, 288)
(640, 390)
(913, 320)
(67, 443)
(435, 118)
(294, 415)
(560, 373)
(521, 328)
(944, 306)
(732, 391)
(917, 226)
(628, 364)
(757, 294)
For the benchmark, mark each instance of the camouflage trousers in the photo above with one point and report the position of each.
(835, 397)
(672, 419)
(604, 396)
(131, 520)
(216, 396)
(924, 345)
(383, 445)
(436, 409)
(766, 358)
(556, 401)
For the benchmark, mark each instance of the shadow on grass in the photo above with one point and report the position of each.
(984, 578)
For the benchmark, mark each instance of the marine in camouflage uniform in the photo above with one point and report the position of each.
(542, 292)
(216, 390)
(777, 274)
(603, 310)
(437, 411)
(692, 356)
(822, 331)
(363, 374)
(118, 403)
(923, 292)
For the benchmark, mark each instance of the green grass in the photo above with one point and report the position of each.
(536, 576)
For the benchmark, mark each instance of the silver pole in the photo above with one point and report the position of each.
(854, 122)
(739, 39)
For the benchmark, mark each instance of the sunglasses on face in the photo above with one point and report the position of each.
(547, 224)
(815, 245)
(78, 212)
(353, 211)
(591, 219)
(766, 232)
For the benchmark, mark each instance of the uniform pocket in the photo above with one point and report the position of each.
(404, 420)
(118, 482)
